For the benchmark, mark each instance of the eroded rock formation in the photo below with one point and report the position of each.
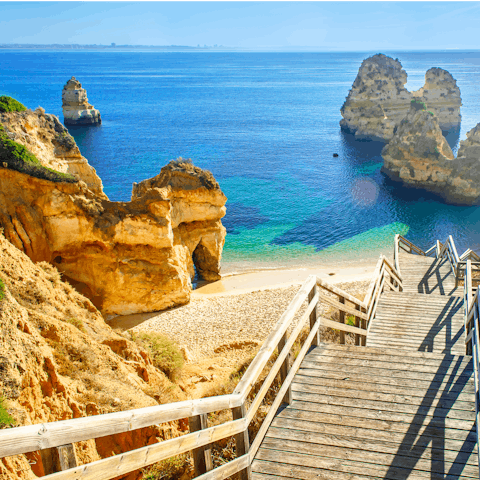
(441, 96)
(419, 156)
(59, 360)
(127, 257)
(76, 109)
(44, 136)
(378, 99)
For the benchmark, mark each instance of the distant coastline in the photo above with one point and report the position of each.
(199, 48)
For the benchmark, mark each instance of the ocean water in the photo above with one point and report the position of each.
(267, 126)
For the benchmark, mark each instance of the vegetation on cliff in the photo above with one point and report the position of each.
(9, 104)
(15, 156)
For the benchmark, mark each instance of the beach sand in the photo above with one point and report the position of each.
(239, 310)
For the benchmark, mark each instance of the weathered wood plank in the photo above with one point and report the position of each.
(386, 472)
(392, 356)
(353, 386)
(111, 467)
(374, 458)
(341, 293)
(379, 420)
(326, 322)
(40, 436)
(341, 306)
(384, 406)
(366, 350)
(423, 436)
(242, 443)
(418, 451)
(367, 364)
(202, 456)
(438, 401)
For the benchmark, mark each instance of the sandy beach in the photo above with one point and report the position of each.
(239, 310)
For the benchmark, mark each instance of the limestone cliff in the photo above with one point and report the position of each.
(76, 109)
(419, 156)
(441, 96)
(59, 360)
(378, 99)
(44, 136)
(127, 257)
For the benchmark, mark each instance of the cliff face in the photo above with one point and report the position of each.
(51, 143)
(127, 257)
(441, 95)
(59, 360)
(419, 156)
(76, 109)
(378, 100)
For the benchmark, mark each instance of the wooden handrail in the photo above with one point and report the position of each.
(37, 437)
(472, 313)
(30, 438)
(260, 361)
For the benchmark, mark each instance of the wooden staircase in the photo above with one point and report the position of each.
(400, 404)
(401, 407)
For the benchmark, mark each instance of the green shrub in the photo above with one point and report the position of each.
(5, 418)
(351, 320)
(77, 323)
(165, 354)
(9, 104)
(2, 290)
(431, 113)
(418, 105)
(17, 157)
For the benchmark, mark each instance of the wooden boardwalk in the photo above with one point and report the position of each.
(402, 407)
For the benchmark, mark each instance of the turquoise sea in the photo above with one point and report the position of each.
(267, 126)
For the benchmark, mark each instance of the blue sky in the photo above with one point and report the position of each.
(349, 26)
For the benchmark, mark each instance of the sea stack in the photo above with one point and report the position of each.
(441, 95)
(419, 156)
(76, 109)
(378, 100)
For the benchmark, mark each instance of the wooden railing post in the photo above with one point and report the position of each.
(242, 442)
(357, 324)
(59, 458)
(342, 320)
(285, 368)
(313, 316)
(202, 457)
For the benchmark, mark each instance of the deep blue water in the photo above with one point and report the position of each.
(266, 125)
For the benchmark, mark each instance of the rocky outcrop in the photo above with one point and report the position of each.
(76, 109)
(127, 257)
(59, 360)
(378, 99)
(441, 96)
(419, 156)
(44, 136)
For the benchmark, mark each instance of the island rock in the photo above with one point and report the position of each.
(76, 109)
(441, 96)
(44, 136)
(419, 156)
(378, 99)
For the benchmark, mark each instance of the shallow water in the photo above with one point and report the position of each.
(267, 126)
